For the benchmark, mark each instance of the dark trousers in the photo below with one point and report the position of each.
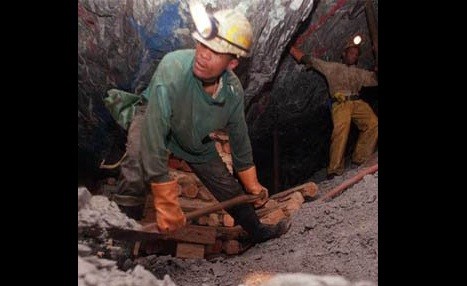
(213, 174)
(223, 185)
(130, 181)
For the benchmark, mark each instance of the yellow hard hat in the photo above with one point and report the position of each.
(234, 34)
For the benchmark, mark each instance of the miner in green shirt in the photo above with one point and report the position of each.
(192, 94)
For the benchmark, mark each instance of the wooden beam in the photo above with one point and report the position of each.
(231, 247)
(372, 26)
(347, 183)
(308, 190)
(189, 233)
(288, 204)
(189, 250)
(231, 233)
(273, 217)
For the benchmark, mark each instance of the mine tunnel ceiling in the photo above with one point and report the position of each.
(120, 44)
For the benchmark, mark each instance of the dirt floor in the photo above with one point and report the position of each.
(337, 238)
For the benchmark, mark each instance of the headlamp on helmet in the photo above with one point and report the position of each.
(226, 31)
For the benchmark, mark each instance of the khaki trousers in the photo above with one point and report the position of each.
(359, 112)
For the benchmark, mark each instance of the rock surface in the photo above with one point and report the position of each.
(335, 238)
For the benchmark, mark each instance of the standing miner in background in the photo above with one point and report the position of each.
(193, 93)
(345, 81)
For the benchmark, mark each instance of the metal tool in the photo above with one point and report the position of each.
(151, 232)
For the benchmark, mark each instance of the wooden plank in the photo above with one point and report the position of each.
(288, 204)
(194, 233)
(231, 247)
(186, 179)
(241, 199)
(189, 205)
(203, 220)
(228, 220)
(274, 217)
(189, 250)
(291, 207)
(308, 190)
(189, 233)
(178, 174)
(190, 190)
(162, 247)
(214, 220)
(270, 204)
(215, 248)
(231, 233)
(295, 196)
(136, 248)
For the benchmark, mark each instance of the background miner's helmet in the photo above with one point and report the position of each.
(354, 42)
(233, 33)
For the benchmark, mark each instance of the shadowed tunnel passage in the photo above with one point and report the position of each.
(120, 44)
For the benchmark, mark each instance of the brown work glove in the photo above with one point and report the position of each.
(250, 181)
(169, 215)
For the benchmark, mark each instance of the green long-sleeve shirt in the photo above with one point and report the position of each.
(180, 114)
(340, 77)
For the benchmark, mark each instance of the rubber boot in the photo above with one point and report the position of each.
(266, 232)
(258, 232)
(169, 214)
